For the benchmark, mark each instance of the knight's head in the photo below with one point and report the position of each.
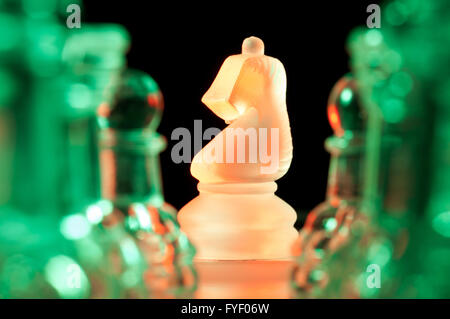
(249, 79)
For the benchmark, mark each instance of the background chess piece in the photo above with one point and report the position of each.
(236, 215)
(131, 181)
(96, 57)
(327, 226)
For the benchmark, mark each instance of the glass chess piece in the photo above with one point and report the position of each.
(327, 227)
(240, 228)
(131, 181)
(94, 58)
(406, 192)
(36, 261)
(56, 238)
(237, 216)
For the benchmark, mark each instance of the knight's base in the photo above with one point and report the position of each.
(239, 222)
(232, 279)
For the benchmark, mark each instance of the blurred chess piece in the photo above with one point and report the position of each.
(131, 181)
(404, 89)
(237, 216)
(95, 57)
(402, 251)
(58, 239)
(36, 259)
(327, 226)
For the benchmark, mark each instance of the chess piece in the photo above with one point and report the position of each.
(237, 216)
(131, 181)
(407, 158)
(94, 58)
(36, 259)
(327, 226)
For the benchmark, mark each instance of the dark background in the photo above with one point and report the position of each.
(182, 46)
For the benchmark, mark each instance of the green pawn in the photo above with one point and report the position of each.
(131, 180)
(94, 57)
(327, 226)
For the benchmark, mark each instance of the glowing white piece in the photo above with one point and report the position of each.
(237, 216)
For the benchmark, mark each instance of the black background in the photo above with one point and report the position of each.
(182, 46)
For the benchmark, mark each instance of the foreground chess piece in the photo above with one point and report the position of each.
(36, 259)
(56, 239)
(407, 174)
(237, 216)
(131, 181)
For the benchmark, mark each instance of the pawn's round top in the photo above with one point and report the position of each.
(253, 45)
(137, 104)
(345, 113)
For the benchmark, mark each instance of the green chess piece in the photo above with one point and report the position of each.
(36, 261)
(59, 239)
(402, 74)
(327, 226)
(94, 57)
(130, 148)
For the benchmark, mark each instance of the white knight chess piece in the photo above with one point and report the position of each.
(237, 216)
